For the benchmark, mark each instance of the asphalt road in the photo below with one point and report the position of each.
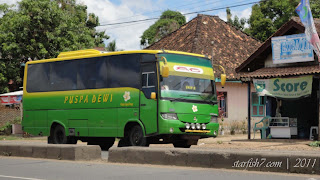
(33, 169)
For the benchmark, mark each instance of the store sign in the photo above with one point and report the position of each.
(290, 49)
(284, 87)
(6, 100)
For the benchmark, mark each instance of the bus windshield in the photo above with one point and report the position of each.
(179, 88)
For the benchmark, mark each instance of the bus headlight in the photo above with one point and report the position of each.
(204, 126)
(214, 119)
(172, 116)
(187, 126)
(193, 126)
(198, 126)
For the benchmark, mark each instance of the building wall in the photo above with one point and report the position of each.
(237, 101)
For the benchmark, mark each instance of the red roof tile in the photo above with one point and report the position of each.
(231, 46)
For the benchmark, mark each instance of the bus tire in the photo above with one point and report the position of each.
(123, 143)
(59, 135)
(136, 137)
(181, 144)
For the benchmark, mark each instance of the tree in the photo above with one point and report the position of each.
(169, 21)
(235, 22)
(112, 46)
(268, 16)
(43, 29)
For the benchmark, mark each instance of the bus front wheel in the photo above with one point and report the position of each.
(136, 137)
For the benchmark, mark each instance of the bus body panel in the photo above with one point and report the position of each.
(104, 112)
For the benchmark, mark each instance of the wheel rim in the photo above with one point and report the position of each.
(136, 137)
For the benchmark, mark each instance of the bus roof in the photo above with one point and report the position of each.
(88, 53)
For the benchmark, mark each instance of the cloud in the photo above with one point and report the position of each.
(127, 36)
(9, 1)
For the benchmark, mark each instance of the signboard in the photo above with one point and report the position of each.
(290, 49)
(6, 100)
(284, 87)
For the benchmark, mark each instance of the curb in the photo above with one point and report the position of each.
(52, 151)
(286, 162)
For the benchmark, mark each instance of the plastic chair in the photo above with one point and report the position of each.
(311, 129)
(263, 129)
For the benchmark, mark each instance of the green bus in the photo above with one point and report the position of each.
(141, 97)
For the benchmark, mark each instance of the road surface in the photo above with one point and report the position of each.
(33, 169)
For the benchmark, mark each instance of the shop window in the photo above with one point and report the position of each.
(258, 105)
(222, 102)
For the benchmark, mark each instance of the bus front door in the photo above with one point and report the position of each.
(148, 106)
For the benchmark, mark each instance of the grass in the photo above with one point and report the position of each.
(13, 137)
(10, 138)
(219, 142)
(315, 144)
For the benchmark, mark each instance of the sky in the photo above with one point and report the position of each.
(127, 36)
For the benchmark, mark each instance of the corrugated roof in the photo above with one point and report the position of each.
(231, 46)
(273, 72)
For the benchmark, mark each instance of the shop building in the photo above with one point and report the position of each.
(285, 74)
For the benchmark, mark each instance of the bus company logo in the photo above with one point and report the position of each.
(194, 108)
(188, 69)
(126, 96)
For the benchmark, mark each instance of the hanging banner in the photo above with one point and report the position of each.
(304, 12)
(284, 87)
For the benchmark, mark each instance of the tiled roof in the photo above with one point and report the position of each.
(230, 45)
(255, 63)
(273, 72)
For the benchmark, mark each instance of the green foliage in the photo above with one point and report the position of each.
(41, 30)
(315, 144)
(112, 46)
(239, 23)
(6, 129)
(268, 16)
(169, 21)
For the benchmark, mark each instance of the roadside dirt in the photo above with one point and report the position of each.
(230, 142)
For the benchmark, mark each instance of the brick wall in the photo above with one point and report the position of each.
(9, 114)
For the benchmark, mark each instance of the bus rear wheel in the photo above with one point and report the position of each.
(136, 137)
(59, 135)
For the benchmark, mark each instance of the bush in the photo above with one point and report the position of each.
(315, 144)
(6, 129)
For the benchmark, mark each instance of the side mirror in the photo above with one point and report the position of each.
(153, 96)
(165, 70)
(223, 79)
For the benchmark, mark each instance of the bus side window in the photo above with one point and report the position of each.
(148, 79)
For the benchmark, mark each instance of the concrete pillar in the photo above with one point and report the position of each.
(249, 110)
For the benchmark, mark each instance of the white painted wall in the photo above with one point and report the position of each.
(237, 101)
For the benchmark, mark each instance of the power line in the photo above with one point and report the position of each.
(196, 12)
(153, 12)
